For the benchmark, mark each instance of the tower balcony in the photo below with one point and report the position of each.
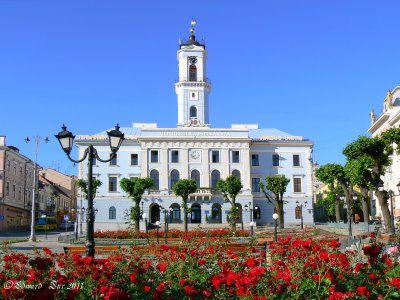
(197, 84)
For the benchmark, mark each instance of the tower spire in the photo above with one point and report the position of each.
(192, 23)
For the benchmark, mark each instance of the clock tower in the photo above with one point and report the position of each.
(192, 87)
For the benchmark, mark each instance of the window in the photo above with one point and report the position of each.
(275, 160)
(156, 179)
(195, 175)
(134, 159)
(216, 213)
(154, 156)
(193, 112)
(14, 190)
(112, 183)
(297, 212)
(175, 214)
(235, 156)
(297, 185)
(296, 160)
(254, 160)
(113, 161)
(20, 171)
(192, 73)
(236, 173)
(215, 177)
(255, 185)
(112, 213)
(15, 168)
(7, 188)
(215, 156)
(8, 165)
(174, 177)
(174, 156)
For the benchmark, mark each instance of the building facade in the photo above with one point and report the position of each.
(195, 150)
(389, 118)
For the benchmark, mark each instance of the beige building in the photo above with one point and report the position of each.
(56, 193)
(16, 184)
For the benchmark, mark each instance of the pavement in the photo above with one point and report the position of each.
(50, 241)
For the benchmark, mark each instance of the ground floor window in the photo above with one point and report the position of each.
(196, 213)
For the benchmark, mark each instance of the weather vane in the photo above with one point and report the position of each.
(192, 23)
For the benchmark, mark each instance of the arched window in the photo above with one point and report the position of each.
(156, 178)
(215, 177)
(175, 213)
(174, 178)
(195, 175)
(297, 212)
(256, 212)
(193, 112)
(236, 173)
(196, 213)
(216, 213)
(112, 213)
(192, 73)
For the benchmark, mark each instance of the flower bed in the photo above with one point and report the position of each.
(126, 234)
(300, 269)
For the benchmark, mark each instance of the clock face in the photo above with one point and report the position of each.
(195, 154)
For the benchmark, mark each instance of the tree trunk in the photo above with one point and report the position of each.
(337, 209)
(365, 206)
(185, 215)
(383, 202)
(137, 222)
(279, 209)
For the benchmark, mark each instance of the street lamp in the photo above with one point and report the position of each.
(37, 139)
(158, 232)
(81, 219)
(144, 216)
(45, 228)
(250, 209)
(66, 139)
(275, 216)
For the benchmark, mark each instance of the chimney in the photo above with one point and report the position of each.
(2, 140)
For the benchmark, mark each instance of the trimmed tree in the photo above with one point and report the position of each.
(230, 188)
(329, 174)
(377, 150)
(277, 186)
(183, 188)
(135, 188)
(83, 185)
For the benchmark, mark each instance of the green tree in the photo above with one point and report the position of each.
(328, 201)
(358, 170)
(183, 188)
(376, 151)
(277, 185)
(329, 174)
(83, 185)
(135, 188)
(230, 188)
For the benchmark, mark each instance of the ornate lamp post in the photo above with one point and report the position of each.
(66, 139)
(37, 139)
(275, 216)
(158, 231)
(250, 209)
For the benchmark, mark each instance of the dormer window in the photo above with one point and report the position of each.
(193, 112)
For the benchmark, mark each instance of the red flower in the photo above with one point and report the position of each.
(147, 289)
(182, 281)
(362, 290)
(133, 277)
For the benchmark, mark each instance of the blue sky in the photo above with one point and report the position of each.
(311, 68)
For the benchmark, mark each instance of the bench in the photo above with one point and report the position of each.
(99, 250)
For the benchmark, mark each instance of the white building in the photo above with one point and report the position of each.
(194, 150)
(390, 118)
